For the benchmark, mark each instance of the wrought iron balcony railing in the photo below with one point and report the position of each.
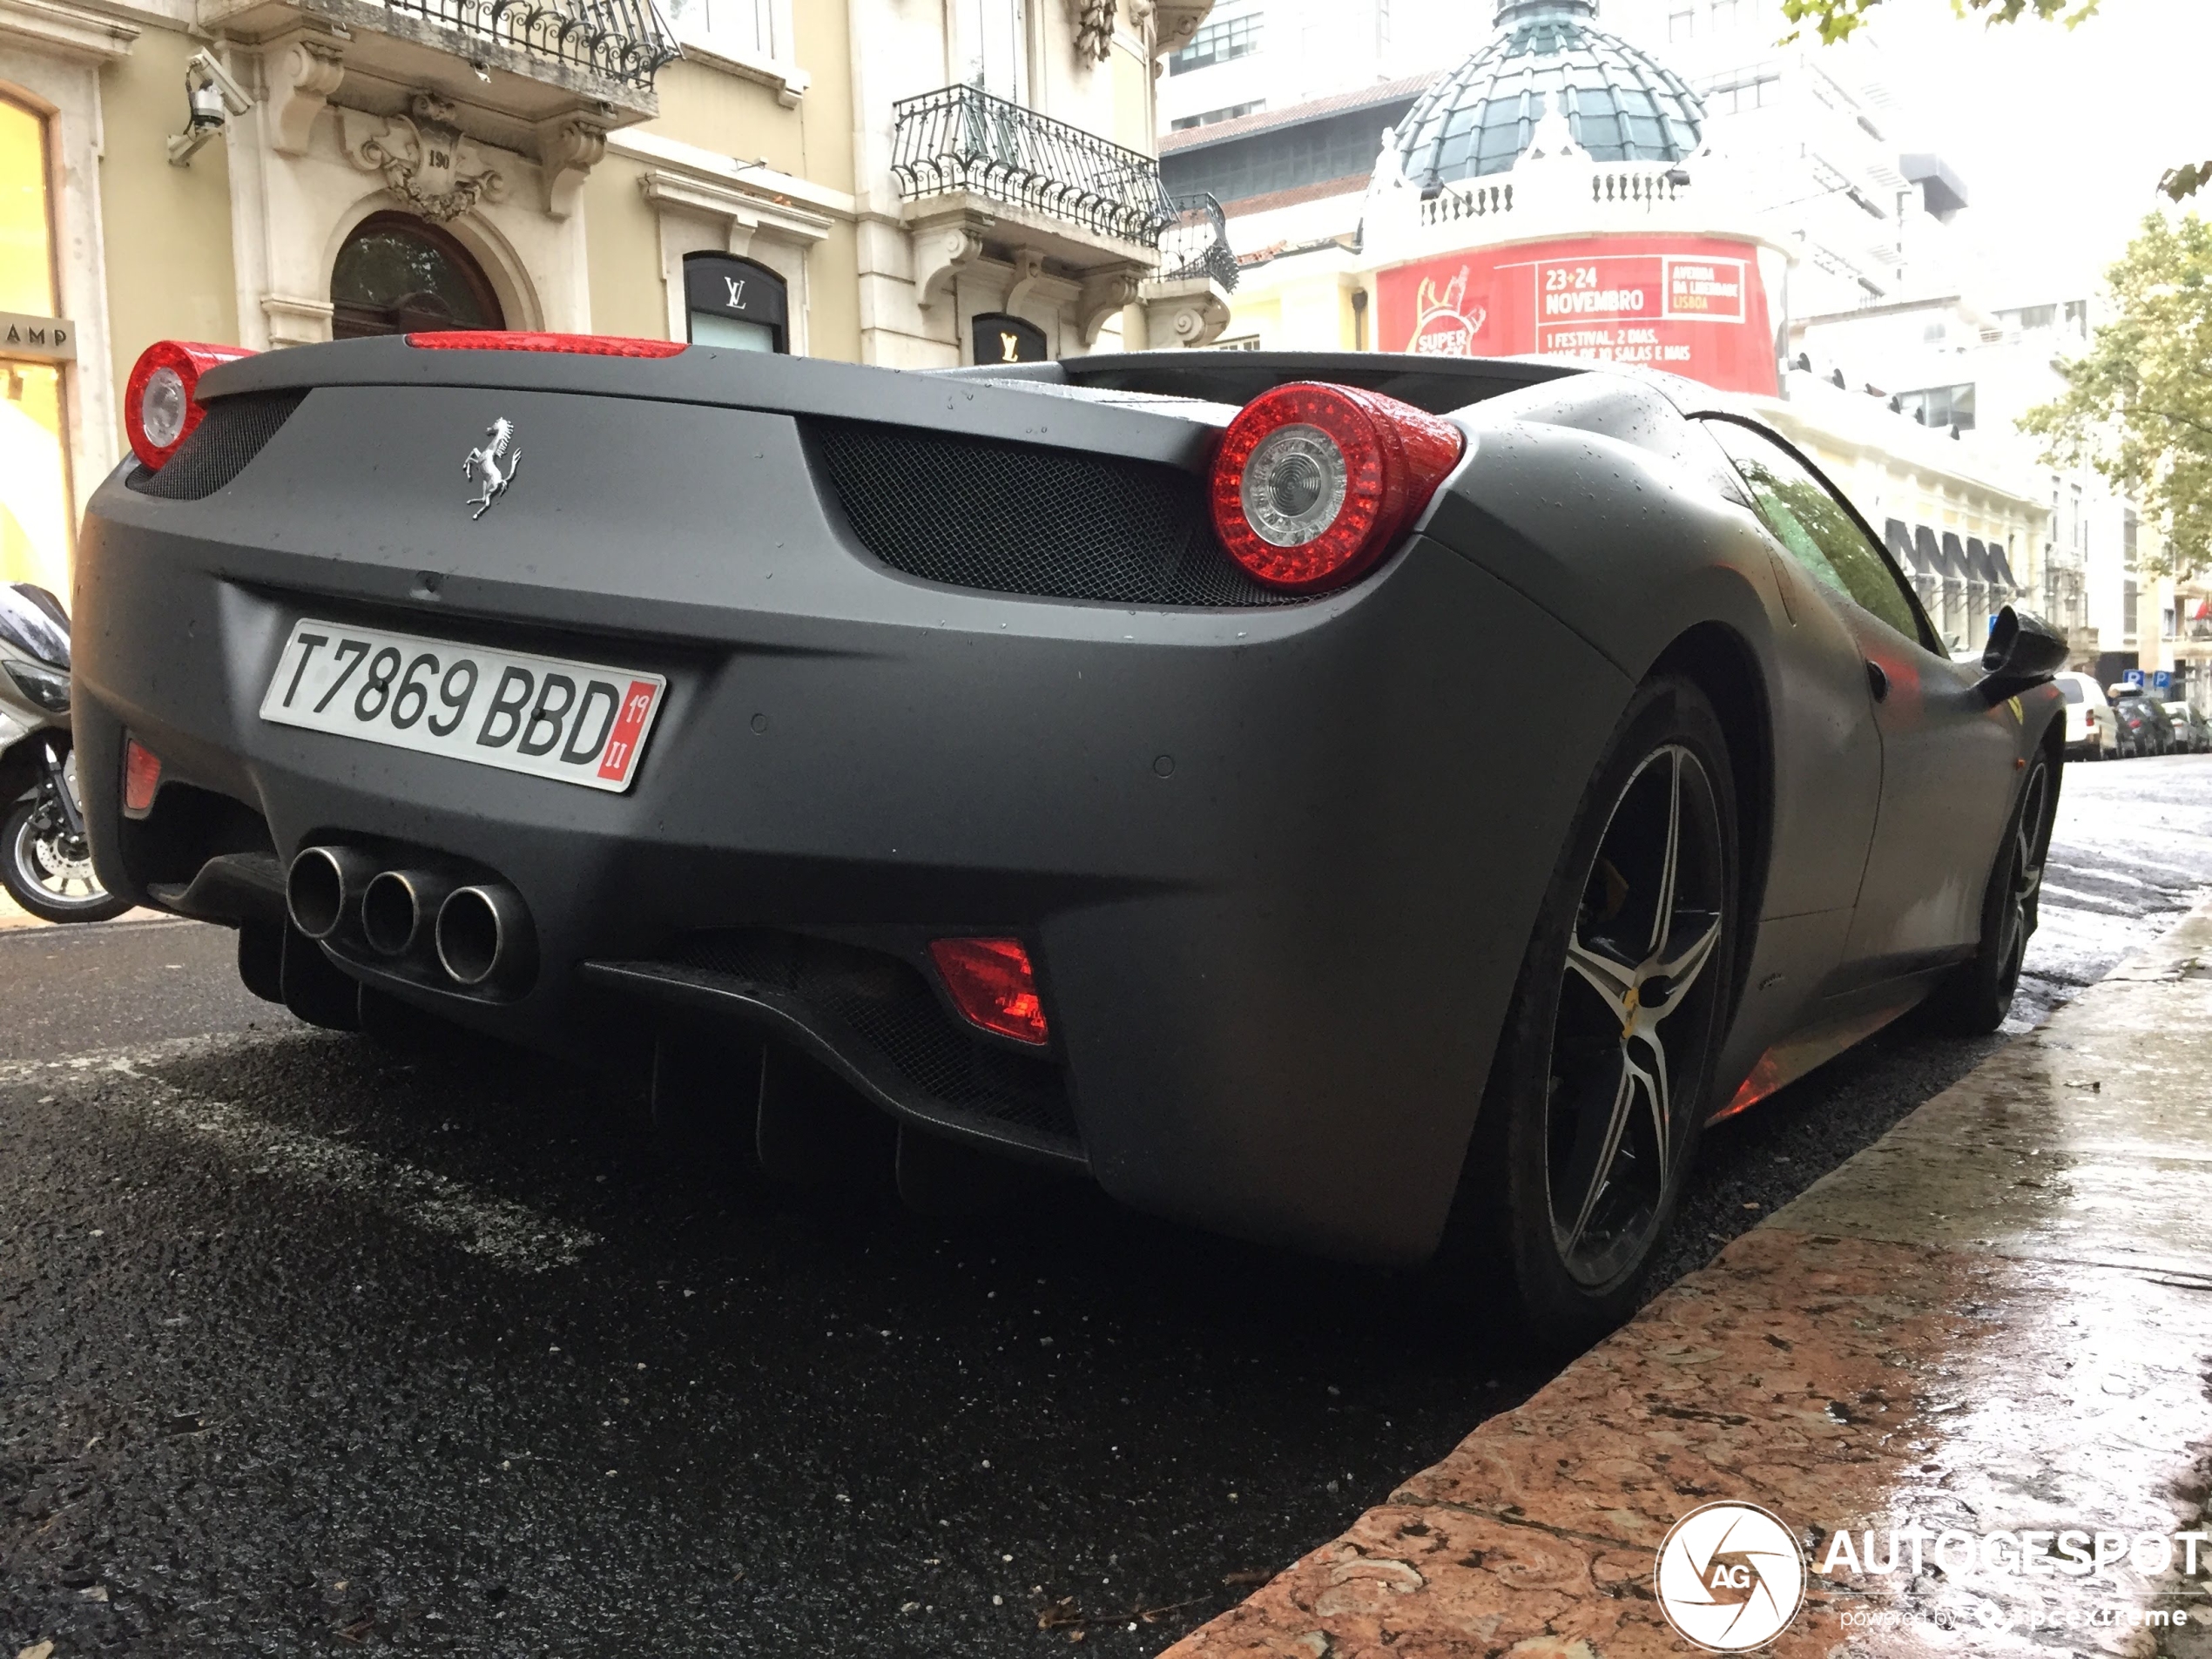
(963, 137)
(625, 40)
(1196, 244)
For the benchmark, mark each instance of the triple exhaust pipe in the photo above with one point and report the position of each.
(478, 933)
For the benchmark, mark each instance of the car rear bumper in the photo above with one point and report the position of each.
(1273, 864)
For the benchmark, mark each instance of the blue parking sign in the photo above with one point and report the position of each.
(2132, 676)
(2163, 679)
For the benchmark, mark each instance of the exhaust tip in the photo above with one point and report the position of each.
(323, 888)
(400, 911)
(483, 935)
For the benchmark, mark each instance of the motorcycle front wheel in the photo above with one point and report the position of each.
(48, 872)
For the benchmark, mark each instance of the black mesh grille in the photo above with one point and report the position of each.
(1011, 518)
(886, 1004)
(231, 432)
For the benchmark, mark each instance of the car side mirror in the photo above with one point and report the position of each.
(2023, 650)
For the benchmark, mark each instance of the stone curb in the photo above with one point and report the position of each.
(1996, 1317)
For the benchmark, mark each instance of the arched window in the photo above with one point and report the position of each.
(730, 301)
(35, 513)
(396, 272)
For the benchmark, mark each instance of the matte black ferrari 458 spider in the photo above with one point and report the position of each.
(1123, 764)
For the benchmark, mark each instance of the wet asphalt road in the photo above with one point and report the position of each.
(309, 1345)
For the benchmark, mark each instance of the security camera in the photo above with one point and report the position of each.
(211, 96)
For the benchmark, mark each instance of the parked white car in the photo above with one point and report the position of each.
(2092, 729)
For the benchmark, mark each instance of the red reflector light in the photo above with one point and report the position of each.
(1312, 482)
(141, 777)
(511, 339)
(992, 985)
(161, 400)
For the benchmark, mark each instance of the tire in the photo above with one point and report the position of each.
(1591, 1115)
(1973, 999)
(28, 865)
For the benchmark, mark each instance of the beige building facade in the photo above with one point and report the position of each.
(861, 179)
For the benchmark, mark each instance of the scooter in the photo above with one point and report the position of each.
(45, 861)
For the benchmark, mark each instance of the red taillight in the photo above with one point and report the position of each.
(161, 401)
(1312, 482)
(141, 777)
(992, 985)
(509, 340)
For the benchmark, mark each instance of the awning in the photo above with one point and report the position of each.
(1954, 558)
(2202, 612)
(1897, 537)
(2004, 565)
(1925, 553)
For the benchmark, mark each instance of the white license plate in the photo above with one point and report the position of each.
(578, 722)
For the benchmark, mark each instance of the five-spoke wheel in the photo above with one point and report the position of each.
(1605, 1064)
(1642, 938)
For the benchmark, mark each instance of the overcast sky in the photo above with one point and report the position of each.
(2060, 135)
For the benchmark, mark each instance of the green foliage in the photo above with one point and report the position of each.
(1836, 20)
(2183, 182)
(2138, 403)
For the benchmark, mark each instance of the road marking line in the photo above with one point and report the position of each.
(508, 1234)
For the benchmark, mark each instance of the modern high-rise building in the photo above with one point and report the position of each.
(1252, 56)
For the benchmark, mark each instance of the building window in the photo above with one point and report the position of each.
(734, 303)
(1753, 89)
(2128, 609)
(1227, 113)
(2128, 527)
(397, 273)
(35, 508)
(1941, 406)
(2033, 317)
(1240, 342)
(1226, 39)
(1723, 14)
(1682, 23)
(743, 25)
(995, 34)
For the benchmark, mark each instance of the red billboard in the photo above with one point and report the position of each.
(1691, 305)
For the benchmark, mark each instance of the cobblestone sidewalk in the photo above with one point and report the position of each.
(1996, 1319)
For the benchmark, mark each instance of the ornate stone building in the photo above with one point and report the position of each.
(858, 178)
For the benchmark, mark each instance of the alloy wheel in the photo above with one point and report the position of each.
(1633, 1022)
(2024, 884)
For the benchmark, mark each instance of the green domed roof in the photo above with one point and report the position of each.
(1620, 105)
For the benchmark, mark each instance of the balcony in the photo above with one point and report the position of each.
(623, 40)
(1033, 181)
(1541, 197)
(1195, 246)
(524, 62)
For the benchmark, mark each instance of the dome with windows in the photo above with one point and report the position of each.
(1548, 54)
